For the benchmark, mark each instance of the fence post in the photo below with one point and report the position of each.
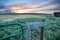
(42, 33)
(28, 34)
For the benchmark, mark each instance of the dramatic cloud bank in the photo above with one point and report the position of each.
(30, 6)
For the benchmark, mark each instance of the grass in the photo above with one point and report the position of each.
(17, 29)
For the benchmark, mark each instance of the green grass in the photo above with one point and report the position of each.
(7, 31)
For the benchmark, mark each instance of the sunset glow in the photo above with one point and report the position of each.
(30, 6)
(33, 9)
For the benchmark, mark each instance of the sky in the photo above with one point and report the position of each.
(27, 6)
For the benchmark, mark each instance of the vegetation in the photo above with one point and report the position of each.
(15, 30)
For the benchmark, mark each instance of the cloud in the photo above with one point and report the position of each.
(51, 7)
(20, 2)
(27, 6)
(34, 8)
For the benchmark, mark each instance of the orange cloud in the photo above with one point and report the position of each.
(33, 9)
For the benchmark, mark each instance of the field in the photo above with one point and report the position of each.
(16, 29)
